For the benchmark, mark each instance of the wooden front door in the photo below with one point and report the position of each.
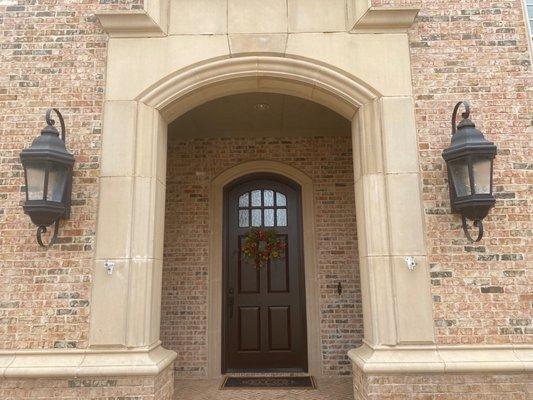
(264, 308)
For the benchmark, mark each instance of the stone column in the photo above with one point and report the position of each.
(125, 310)
(397, 301)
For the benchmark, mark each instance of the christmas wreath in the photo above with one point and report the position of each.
(262, 245)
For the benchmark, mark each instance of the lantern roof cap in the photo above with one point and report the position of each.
(48, 147)
(467, 139)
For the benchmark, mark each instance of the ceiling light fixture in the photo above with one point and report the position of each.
(262, 107)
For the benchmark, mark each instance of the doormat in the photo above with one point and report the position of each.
(269, 382)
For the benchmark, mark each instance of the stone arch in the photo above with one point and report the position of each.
(298, 77)
(132, 198)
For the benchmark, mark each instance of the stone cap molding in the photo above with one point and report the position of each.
(130, 23)
(55, 363)
(152, 21)
(443, 359)
(386, 18)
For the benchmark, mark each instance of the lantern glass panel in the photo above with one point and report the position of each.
(35, 181)
(57, 179)
(482, 169)
(460, 177)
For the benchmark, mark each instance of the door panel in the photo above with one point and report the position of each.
(248, 275)
(264, 309)
(249, 329)
(279, 328)
(279, 271)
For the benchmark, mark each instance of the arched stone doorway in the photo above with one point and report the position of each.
(389, 212)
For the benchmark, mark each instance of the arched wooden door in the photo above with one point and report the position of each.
(264, 322)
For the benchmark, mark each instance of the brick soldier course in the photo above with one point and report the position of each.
(56, 54)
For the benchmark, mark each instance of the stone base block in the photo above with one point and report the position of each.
(158, 387)
(431, 372)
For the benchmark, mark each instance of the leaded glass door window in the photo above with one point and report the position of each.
(262, 208)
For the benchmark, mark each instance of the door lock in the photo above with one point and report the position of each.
(231, 302)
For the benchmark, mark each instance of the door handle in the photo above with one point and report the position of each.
(231, 303)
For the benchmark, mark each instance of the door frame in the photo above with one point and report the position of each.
(215, 280)
(301, 265)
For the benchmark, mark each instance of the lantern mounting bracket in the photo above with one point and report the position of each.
(52, 122)
(477, 223)
(465, 114)
(42, 229)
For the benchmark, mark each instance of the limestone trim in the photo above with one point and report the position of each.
(386, 18)
(363, 16)
(57, 363)
(152, 21)
(215, 259)
(443, 359)
(387, 181)
(298, 77)
(129, 24)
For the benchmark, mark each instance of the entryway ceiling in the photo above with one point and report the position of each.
(238, 116)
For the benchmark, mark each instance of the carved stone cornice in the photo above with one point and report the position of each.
(151, 21)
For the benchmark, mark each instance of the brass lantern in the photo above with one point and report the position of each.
(48, 173)
(469, 161)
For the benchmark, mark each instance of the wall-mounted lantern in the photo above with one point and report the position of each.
(48, 172)
(469, 160)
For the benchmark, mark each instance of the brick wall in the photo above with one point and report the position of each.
(442, 386)
(53, 53)
(160, 387)
(192, 164)
(477, 50)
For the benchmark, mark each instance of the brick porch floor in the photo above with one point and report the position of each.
(328, 389)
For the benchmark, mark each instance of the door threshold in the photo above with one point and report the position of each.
(264, 371)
